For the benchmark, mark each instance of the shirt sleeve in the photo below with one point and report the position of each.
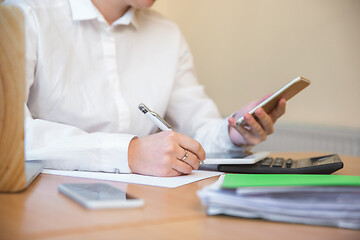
(193, 113)
(62, 146)
(69, 148)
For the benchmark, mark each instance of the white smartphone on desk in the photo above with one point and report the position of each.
(287, 92)
(99, 195)
(225, 159)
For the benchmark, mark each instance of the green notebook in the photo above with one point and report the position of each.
(267, 180)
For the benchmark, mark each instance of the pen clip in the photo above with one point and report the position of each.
(160, 119)
(146, 110)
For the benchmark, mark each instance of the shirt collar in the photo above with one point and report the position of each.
(127, 18)
(85, 10)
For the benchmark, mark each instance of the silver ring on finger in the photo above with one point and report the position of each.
(185, 155)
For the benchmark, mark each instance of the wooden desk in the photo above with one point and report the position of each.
(42, 212)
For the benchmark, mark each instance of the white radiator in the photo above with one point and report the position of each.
(305, 138)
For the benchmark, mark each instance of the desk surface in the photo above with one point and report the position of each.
(42, 212)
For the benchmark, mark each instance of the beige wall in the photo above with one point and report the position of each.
(244, 49)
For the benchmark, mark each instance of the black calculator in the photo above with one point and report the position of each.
(275, 165)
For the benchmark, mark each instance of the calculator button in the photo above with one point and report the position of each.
(266, 162)
(278, 162)
(288, 163)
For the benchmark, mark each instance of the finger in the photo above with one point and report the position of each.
(193, 146)
(180, 152)
(279, 110)
(182, 167)
(255, 129)
(265, 121)
(244, 131)
(192, 161)
(188, 157)
(241, 129)
(232, 121)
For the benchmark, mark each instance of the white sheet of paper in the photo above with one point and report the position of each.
(169, 182)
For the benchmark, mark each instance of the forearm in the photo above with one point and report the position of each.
(214, 137)
(68, 148)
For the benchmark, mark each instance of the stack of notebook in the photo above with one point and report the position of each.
(328, 200)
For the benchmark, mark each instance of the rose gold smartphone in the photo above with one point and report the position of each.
(287, 92)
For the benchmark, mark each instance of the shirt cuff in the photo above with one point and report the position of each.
(115, 147)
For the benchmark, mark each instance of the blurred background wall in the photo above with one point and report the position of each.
(245, 49)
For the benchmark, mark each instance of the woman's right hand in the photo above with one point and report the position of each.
(162, 154)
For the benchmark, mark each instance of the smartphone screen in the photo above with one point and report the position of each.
(287, 92)
(99, 195)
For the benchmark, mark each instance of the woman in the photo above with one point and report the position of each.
(89, 65)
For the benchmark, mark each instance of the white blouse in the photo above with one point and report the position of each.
(85, 80)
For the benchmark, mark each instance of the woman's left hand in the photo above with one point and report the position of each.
(257, 130)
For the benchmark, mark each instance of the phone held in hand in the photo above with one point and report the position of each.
(287, 92)
(99, 196)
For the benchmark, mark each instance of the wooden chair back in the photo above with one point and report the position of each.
(12, 98)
